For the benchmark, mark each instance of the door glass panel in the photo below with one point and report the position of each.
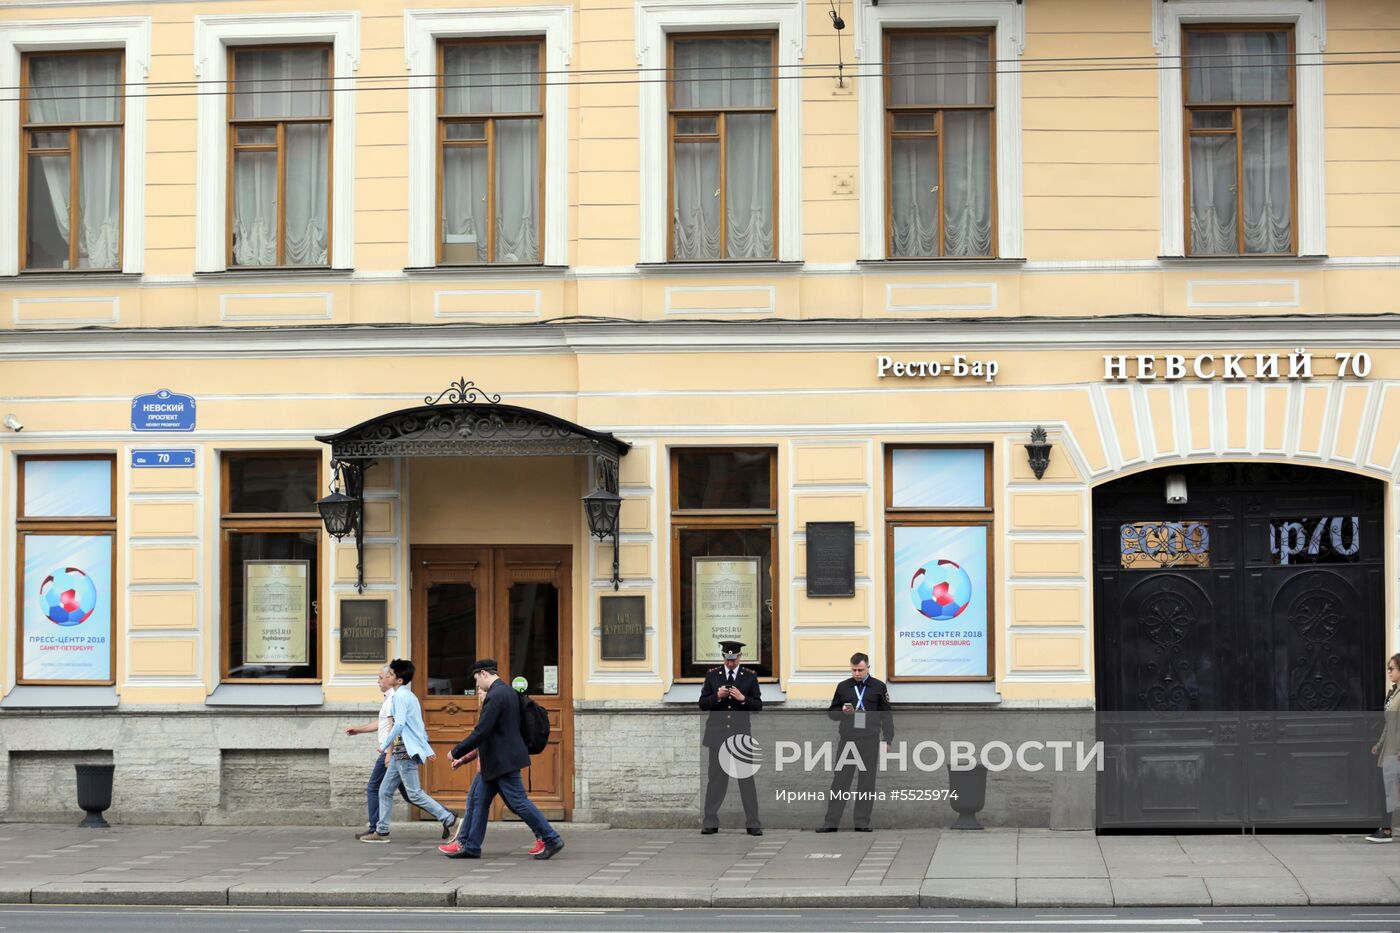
(451, 638)
(534, 637)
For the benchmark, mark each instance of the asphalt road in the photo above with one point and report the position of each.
(36, 919)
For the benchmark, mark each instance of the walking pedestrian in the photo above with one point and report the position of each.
(458, 845)
(861, 706)
(382, 727)
(405, 748)
(1387, 752)
(729, 695)
(503, 754)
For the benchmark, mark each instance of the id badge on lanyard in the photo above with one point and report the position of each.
(860, 707)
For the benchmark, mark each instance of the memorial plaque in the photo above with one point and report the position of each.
(831, 559)
(364, 630)
(624, 627)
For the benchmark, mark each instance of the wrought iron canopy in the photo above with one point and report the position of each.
(470, 429)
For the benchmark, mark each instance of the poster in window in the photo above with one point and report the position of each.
(67, 607)
(726, 606)
(940, 597)
(276, 611)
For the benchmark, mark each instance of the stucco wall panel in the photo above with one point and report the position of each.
(173, 564)
(1047, 511)
(163, 657)
(155, 611)
(1046, 558)
(1047, 605)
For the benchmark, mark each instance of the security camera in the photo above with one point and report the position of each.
(14, 424)
(1176, 489)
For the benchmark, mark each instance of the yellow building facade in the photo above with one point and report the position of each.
(305, 222)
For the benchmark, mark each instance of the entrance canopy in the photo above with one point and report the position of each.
(464, 421)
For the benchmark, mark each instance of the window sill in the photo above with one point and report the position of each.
(275, 274)
(1228, 262)
(498, 270)
(976, 693)
(266, 694)
(760, 267)
(56, 697)
(937, 265)
(76, 278)
(688, 693)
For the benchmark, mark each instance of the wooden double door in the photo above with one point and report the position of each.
(510, 603)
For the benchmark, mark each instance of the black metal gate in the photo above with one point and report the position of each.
(1240, 642)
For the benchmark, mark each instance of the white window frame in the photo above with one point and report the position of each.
(213, 37)
(423, 30)
(133, 36)
(1007, 18)
(655, 21)
(1309, 19)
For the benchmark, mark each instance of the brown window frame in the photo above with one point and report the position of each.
(673, 114)
(26, 133)
(893, 110)
(445, 119)
(724, 520)
(932, 517)
(267, 522)
(1237, 131)
(63, 525)
(233, 123)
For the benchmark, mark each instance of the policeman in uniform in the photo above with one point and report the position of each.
(729, 695)
(861, 705)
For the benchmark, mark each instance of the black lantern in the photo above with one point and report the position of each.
(1038, 452)
(343, 514)
(603, 507)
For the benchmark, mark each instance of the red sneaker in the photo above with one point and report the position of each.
(537, 848)
(451, 848)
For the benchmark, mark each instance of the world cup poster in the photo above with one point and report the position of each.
(940, 594)
(67, 608)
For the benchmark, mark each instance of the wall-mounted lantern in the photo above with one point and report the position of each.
(343, 511)
(604, 507)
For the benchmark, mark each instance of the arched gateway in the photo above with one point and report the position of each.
(1239, 637)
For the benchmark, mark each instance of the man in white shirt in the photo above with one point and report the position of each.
(382, 726)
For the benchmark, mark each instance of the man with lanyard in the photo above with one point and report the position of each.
(861, 704)
(729, 695)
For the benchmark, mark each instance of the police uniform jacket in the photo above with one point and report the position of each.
(879, 716)
(729, 716)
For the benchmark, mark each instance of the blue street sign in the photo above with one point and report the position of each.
(162, 458)
(162, 411)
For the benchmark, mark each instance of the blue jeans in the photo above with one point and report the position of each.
(376, 778)
(512, 790)
(403, 772)
(469, 813)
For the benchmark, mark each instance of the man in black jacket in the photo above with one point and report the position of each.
(729, 695)
(861, 704)
(503, 754)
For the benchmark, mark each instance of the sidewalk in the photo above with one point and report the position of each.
(320, 866)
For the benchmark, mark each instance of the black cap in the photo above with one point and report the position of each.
(485, 664)
(734, 646)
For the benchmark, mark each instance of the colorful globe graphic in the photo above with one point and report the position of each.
(941, 590)
(68, 596)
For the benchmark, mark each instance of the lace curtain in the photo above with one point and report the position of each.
(78, 89)
(481, 80)
(1240, 67)
(934, 72)
(272, 84)
(716, 74)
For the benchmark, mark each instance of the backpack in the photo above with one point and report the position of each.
(534, 725)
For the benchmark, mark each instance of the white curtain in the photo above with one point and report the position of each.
(1241, 67)
(272, 84)
(934, 72)
(719, 74)
(77, 89)
(485, 79)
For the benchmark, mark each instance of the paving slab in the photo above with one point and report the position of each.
(1347, 892)
(1160, 892)
(165, 894)
(968, 892)
(342, 895)
(889, 895)
(1063, 892)
(1256, 892)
